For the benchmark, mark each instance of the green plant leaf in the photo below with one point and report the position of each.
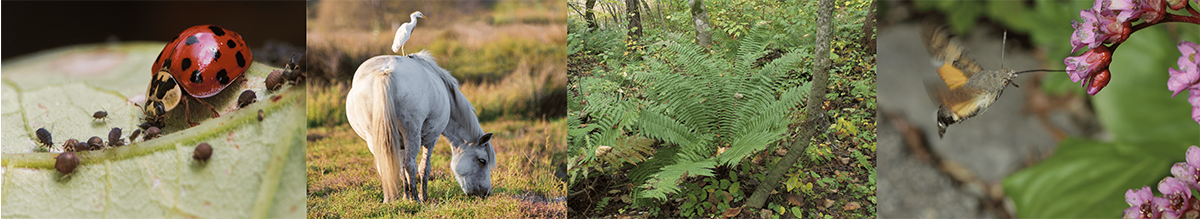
(256, 170)
(1085, 179)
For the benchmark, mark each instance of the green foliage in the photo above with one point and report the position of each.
(692, 101)
(606, 43)
(1150, 132)
(326, 105)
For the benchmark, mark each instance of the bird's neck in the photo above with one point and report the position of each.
(413, 19)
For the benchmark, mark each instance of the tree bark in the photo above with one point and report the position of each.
(591, 16)
(812, 109)
(635, 19)
(700, 18)
(868, 30)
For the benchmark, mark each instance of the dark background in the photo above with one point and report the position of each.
(30, 26)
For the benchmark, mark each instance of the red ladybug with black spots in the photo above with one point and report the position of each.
(198, 63)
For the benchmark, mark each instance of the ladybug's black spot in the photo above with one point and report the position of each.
(158, 59)
(223, 77)
(216, 30)
(216, 55)
(167, 63)
(186, 64)
(196, 77)
(191, 40)
(241, 60)
(231, 43)
(164, 87)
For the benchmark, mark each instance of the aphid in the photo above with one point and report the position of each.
(114, 137)
(44, 137)
(95, 143)
(260, 115)
(274, 80)
(99, 115)
(203, 152)
(246, 98)
(134, 136)
(69, 145)
(81, 146)
(152, 133)
(66, 162)
(290, 71)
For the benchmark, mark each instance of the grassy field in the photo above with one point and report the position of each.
(510, 59)
(342, 181)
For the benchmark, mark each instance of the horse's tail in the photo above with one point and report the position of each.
(385, 131)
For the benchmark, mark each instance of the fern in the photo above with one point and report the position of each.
(692, 101)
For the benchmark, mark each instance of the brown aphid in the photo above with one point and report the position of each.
(134, 136)
(69, 145)
(260, 115)
(114, 137)
(274, 80)
(66, 162)
(246, 98)
(44, 137)
(152, 133)
(81, 146)
(203, 152)
(100, 114)
(95, 143)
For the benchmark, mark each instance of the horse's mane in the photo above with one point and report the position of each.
(467, 114)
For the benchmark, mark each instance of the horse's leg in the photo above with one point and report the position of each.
(413, 139)
(426, 167)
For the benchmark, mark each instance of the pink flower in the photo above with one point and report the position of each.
(1087, 32)
(1177, 194)
(1125, 9)
(1194, 99)
(1188, 73)
(1084, 66)
(1140, 204)
(1153, 10)
(1188, 172)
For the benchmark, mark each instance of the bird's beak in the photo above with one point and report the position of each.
(423, 16)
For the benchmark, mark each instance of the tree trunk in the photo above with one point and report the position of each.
(812, 110)
(700, 18)
(635, 19)
(868, 30)
(591, 16)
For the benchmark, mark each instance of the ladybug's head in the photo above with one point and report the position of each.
(162, 95)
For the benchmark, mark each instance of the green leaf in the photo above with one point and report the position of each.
(1136, 105)
(256, 170)
(1086, 179)
(1151, 131)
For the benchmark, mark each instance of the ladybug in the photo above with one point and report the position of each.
(198, 63)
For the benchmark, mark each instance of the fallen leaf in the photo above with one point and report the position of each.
(845, 160)
(732, 212)
(851, 206)
(600, 151)
(795, 199)
(780, 151)
(828, 203)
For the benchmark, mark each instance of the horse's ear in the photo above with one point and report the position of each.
(484, 139)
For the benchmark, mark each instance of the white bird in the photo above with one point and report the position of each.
(405, 31)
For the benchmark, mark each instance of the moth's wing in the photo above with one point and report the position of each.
(961, 101)
(955, 65)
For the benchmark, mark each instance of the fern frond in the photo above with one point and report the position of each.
(667, 181)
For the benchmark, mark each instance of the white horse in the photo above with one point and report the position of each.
(399, 104)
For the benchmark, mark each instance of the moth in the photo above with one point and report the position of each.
(969, 89)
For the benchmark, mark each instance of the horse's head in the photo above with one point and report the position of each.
(472, 164)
